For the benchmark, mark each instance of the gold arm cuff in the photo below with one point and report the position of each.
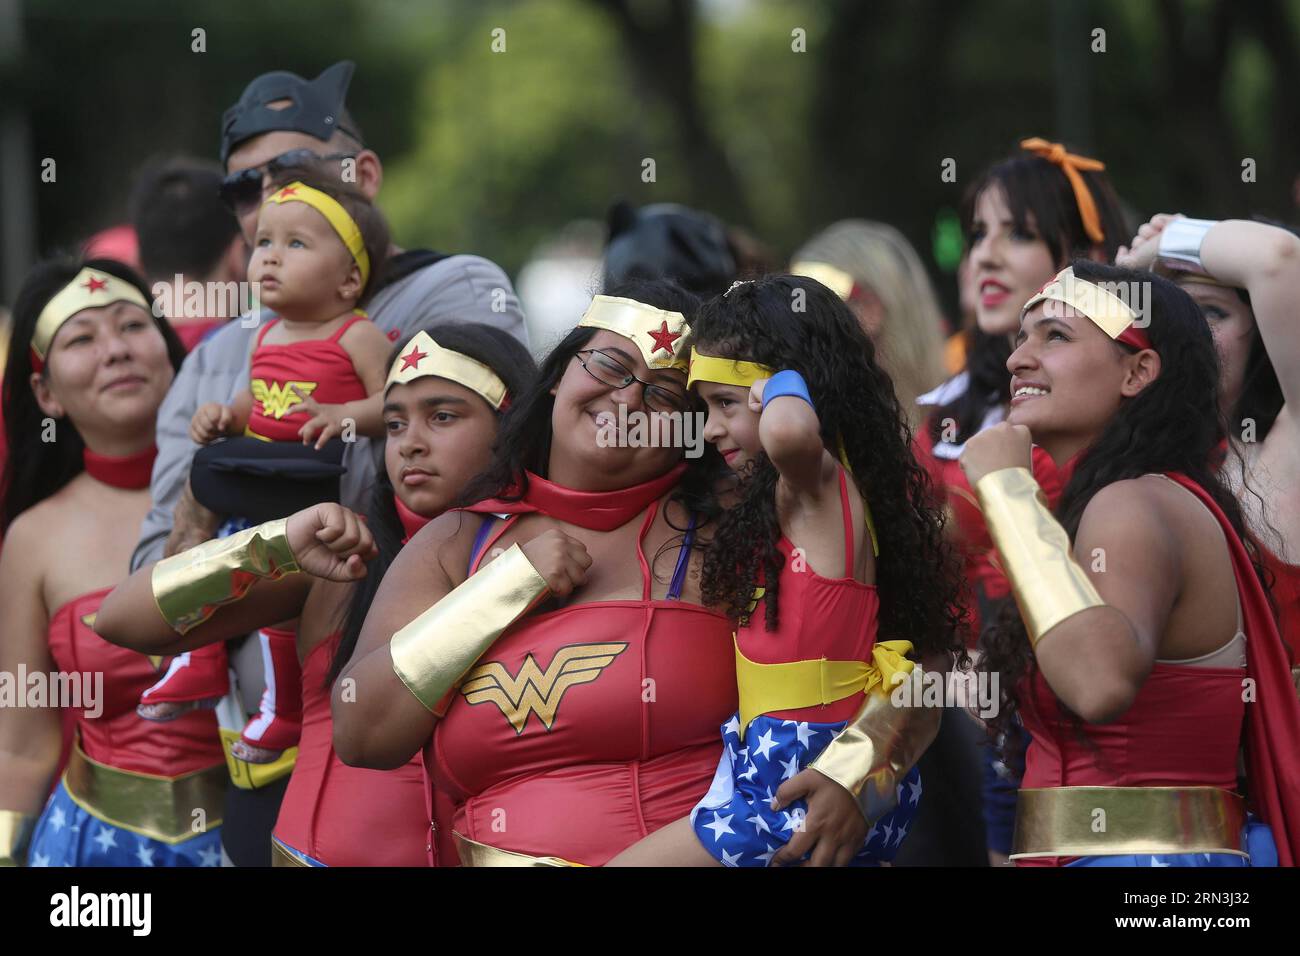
(473, 853)
(1035, 550)
(15, 833)
(190, 586)
(437, 649)
(162, 808)
(1113, 821)
(880, 745)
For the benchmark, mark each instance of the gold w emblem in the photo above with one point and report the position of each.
(278, 399)
(535, 690)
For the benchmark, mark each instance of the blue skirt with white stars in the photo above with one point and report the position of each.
(735, 821)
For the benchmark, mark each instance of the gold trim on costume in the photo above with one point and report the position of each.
(473, 853)
(190, 586)
(768, 688)
(161, 808)
(1107, 311)
(15, 833)
(1114, 821)
(833, 277)
(89, 289)
(725, 371)
(282, 857)
(434, 651)
(871, 756)
(340, 221)
(424, 356)
(1035, 550)
(659, 335)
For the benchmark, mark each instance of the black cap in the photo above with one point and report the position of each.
(316, 110)
(669, 241)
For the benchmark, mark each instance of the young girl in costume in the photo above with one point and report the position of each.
(447, 389)
(315, 367)
(88, 368)
(834, 563)
(1142, 620)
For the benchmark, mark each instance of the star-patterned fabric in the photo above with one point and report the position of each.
(735, 820)
(67, 835)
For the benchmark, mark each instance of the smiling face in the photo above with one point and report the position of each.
(585, 407)
(304, 269)
(108, 370)
(732, 425)
(1068, 379)
(1007, 264)
(440, 435)
(1232, 323)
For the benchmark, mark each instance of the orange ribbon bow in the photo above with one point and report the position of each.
(1070, 164)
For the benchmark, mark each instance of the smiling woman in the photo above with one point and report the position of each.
(88, 368)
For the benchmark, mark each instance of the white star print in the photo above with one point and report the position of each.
(58, 819)
(729, 859)
(765, 743)
(732, 726)
(107, 840)
(1155, 862)
(902, 832)
(767, 857)
(40, 859)
(720, 825)
(888, 833)
(916, 790)
(802, 732)
(872, 833)
(210, 856)
(793, 820)
(791, 767)
(759, 823)
(144, 855)
(749, 774)
(744, 754)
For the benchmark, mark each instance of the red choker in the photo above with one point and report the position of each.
(596, 510)
(130, 471)
(411, 522)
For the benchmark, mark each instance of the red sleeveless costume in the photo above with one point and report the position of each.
(1185, 726)
(321, 368)
(348, 816)
(118, 737)
(584, 729)
(1286, 595)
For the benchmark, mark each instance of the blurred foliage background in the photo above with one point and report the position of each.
(491, 152)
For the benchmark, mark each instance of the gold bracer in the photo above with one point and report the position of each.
(15, 833)
(438, 648)
(1035, 551)
(881, 744)
(190, 586)
(1113, 821)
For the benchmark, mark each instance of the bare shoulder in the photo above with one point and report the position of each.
(365, 335)
(445, 543)
(1141, 510)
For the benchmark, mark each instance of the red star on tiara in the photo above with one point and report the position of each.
(413, 358)
(95, 284)
(664, 339)
(288, 191)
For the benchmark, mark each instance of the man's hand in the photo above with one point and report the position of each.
(192, 524)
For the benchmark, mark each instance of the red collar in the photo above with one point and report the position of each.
(130, 471)
(596, 510)
(411, 522)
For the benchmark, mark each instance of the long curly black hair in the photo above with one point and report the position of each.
(1173, 425)
(792, 322)
(524, 443)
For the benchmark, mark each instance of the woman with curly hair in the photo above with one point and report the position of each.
(832, 558)
(1145, 656)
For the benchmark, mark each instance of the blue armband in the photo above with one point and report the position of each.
(787, 382)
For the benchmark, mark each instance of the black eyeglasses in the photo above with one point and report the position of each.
(608, 370)
(243, 189)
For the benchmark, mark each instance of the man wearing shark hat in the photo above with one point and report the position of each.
(280, 122)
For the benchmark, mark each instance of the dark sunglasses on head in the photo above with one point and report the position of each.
(244, 188)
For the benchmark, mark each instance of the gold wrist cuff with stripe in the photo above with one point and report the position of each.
(1035, 551)
(15, 833)
(1115, 821)
(437, 649)
(190, 586)
(881, 744)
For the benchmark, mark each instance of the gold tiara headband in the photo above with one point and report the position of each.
(659, 335)
(335, 215)
(89, 289)
(725, 371)
(423, 356)
(1107, 311)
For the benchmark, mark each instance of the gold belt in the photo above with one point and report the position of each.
(473, 853)
(161, 808)
(1110, 821)
(282, 857)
